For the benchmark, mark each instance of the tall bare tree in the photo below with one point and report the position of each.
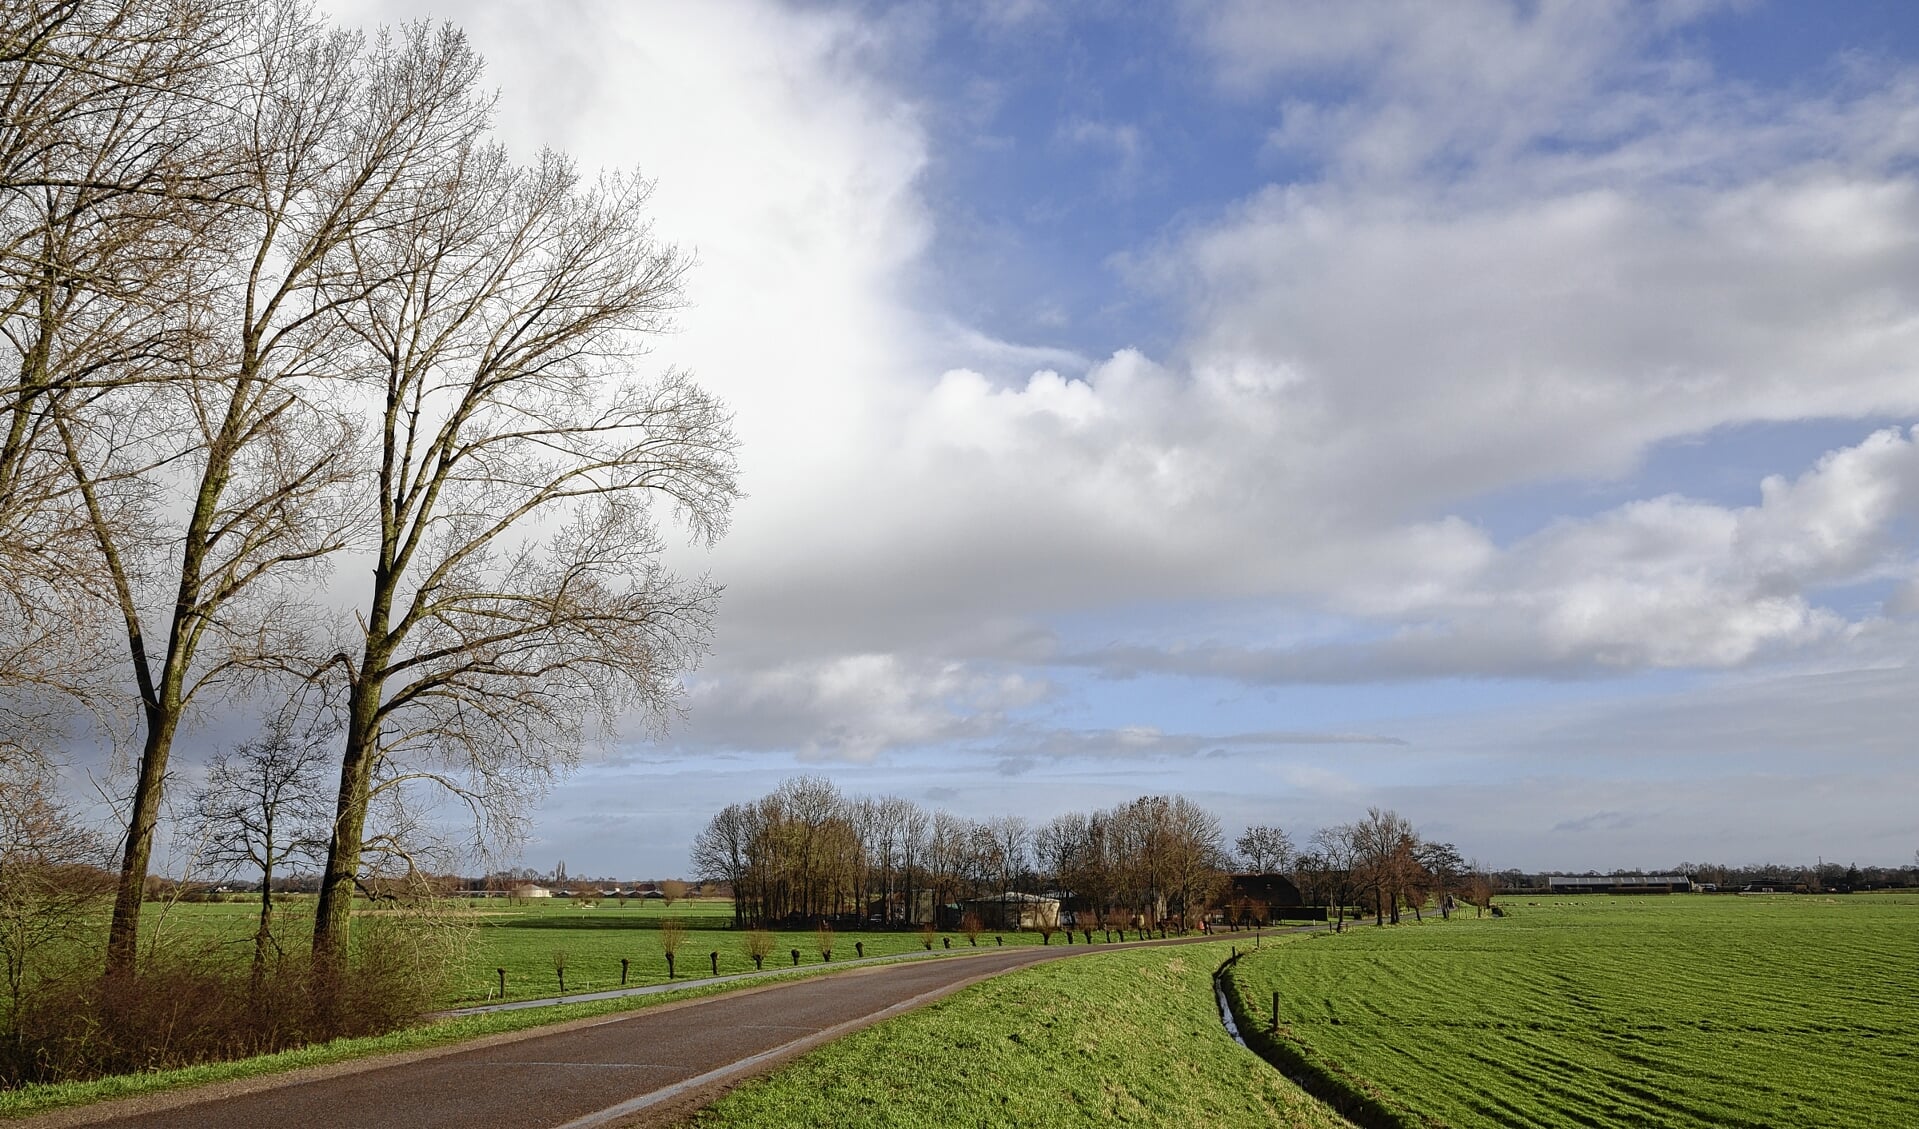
(517, 590)
(1265, 849)
(105, 170)
(208, 493)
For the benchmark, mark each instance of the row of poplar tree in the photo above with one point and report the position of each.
(276, 306)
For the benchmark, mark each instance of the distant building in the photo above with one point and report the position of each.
(1273, 891)
(529, 890)
(1621, 884)
(1014, 910)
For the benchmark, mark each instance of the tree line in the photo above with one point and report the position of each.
(806, 851)
(274, 303)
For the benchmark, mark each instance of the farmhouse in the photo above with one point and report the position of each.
(1265, 891)
(1015, 911)
(1621, 884)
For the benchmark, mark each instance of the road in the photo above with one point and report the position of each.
(648, 1067)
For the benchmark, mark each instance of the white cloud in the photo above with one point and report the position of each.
(1536, 241)
(1665, 582)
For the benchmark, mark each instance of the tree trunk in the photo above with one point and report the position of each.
(263, 936)
(333, 916)
(123, 935)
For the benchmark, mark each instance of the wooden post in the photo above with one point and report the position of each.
(502, 973)
(859, 949)
(1275, 1011)
(715, 955)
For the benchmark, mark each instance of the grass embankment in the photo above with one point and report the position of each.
(1128, 1037)
(1689, 1012)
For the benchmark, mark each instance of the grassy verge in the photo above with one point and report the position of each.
(1130, 1037)
(1686, 1012)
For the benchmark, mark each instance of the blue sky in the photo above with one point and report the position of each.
(1498, 412)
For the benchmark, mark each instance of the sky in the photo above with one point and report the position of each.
(1501, 413)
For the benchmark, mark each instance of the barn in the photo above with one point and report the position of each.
(1014, 910)
(1621, 884)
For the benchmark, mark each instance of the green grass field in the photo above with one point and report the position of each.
(523, 940)
(524, 937)
(1684, 1012)
(1130, 1038)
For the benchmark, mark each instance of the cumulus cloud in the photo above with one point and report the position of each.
(851, 707)
(1665, 582)
(1515, 246)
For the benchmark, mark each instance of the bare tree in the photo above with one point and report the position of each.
(49, 884)
(261, 806)
(722, 853)
(1265, 849)
(201, 519)
(1383, 851)
(105, 170)
(1336, 858)
(517, 591)
(1012, 844)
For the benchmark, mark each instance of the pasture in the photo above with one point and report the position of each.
(529, 938)
(1688, 1012)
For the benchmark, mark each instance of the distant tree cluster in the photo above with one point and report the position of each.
(1381, 863)
(808, 851)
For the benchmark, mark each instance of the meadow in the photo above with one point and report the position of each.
(1687, 1012)
(529, 937)
(1129, 1037)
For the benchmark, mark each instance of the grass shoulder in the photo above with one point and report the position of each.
(1130, 1036)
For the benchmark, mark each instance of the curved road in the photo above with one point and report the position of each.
(643, 1068)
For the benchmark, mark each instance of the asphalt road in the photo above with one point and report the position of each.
(650, 1067)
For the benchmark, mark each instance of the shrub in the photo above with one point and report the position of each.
(757, 944)
(672, 936)
(190, 1004)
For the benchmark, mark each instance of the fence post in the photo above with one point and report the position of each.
(1276, 1011)
(623, 962)
(715, 954)
(502, 973)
